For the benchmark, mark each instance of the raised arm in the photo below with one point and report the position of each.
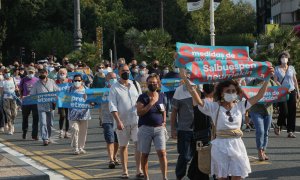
(191, 89)
(261, 92)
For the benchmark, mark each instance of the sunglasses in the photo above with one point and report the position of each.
(230, 117)
(77, 80)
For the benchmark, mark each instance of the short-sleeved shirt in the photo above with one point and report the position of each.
(213, 109)
(182, 101)
(154, 116)
(27, 84)
(106, 115)
(78, 114)
(9, 88)
(39, 87)
(288, 80)
(122, 99)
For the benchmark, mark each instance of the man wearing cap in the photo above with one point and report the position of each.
(46, 110)
(26, 85)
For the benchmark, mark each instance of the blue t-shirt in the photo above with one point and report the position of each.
(154, 117)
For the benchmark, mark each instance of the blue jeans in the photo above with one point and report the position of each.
(46, 122)
(186, 150)
(262, 125)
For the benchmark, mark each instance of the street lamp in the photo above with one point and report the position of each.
(77, 28)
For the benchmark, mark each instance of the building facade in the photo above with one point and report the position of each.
(285, 11)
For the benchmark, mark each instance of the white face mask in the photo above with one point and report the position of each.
(230, 97)
(62, 76)
(77, 84)
(100, 70)
(284, 60)
(166, 71)
(30, 76)
(176, 70)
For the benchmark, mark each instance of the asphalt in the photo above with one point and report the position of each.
(58, 157)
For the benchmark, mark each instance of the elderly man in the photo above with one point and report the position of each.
(123, 96)
(45, 111)
(26, 85)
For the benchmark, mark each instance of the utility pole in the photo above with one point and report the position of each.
(212, 23)
(162, 15)
(77, 26)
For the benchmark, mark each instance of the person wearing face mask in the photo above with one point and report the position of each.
(142, 76)
(155, 68)
(108, 126)
(46, 110)
(8, 88)
(152, 125)
(285, 75)
(228, 152)
(122, 104)
(22, 72)
(99, 82)
(26, 85)
(78, 118)
(134, 69)
(63, 112)
(54, 73)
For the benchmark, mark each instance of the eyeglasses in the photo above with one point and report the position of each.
(230, 117)
(77, 80)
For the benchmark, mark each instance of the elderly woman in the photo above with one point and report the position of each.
(228, 153)
(79, 118)
(152, 122)
(63, 112)
(285, 75)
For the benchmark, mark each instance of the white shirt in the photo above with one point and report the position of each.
(8, 88)
(123, 100)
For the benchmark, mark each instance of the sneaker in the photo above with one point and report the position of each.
(76, 151)
(67, 134)
(45, 142)
(117, 162)
(10, 133)
(291, 135)
(111, 165)
(82, 151)
(2, 130)
(61, 134)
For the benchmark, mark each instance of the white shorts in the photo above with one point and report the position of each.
(129, 132)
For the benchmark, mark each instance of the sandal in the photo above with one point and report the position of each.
(125, 176)
(277, 130)
(140, 175)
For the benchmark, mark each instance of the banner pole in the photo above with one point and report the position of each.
(212, 23)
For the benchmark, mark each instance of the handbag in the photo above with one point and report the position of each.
(204, 150)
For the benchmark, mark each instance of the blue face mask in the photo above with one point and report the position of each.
(112, 81)
(7, 75)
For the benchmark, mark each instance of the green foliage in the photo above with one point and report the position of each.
(284, 39)
(235, 40)
(57, 39)
(88, 54)
(150, 45)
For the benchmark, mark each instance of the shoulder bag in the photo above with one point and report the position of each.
(204, 150)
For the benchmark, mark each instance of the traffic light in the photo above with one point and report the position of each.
(22, 52)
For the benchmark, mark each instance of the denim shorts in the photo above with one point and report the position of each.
(147, 134)
(110, 135)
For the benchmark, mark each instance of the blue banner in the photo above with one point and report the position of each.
(64, 86)
(41, 98)
(97, 95)
(74, 100)
(190, 52)
(170, 84)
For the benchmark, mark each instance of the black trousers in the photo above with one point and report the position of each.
(287, 113)
(26, 109)
(63, 114)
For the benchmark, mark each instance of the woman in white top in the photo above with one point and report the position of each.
(228, 153)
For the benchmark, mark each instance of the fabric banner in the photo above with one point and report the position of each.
(170, 84)
(190, 52)
(73, 100)
(193, 5)
(203, 72)
(97, 95)
(273, 94)
(64, 86)
(42, 98)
